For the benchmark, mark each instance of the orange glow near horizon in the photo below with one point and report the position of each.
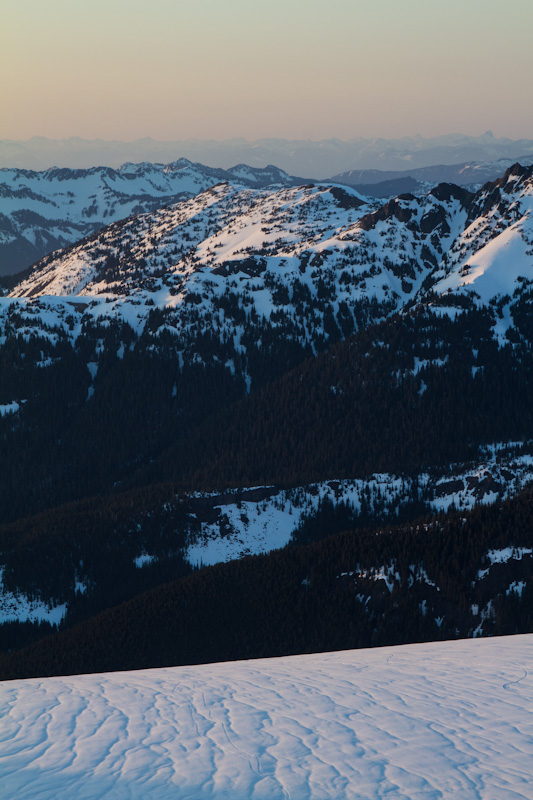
(174, 70)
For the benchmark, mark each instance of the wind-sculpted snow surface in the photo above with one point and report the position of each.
(436, 721)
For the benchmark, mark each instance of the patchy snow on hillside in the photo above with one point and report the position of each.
(438, 721)
(503, 556)
(56, 207)
(20, 608)
(318, 260)
(248, 527)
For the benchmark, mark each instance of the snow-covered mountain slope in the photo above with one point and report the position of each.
(308, 264)
(186, 242)
(222, 261)
(316, 261)
(433, 721)
(494, 253)
(41, 211)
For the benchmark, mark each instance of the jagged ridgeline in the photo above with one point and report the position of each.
(42, 211)
(251, 336)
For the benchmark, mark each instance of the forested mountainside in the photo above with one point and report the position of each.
(285, 339)
(441, 578)
(407, 394)
(65, 564)
(41, 211)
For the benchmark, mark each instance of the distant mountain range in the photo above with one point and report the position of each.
(384, 183)
(43, 211)
(316, 159)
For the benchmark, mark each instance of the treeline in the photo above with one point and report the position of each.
(413, 393)
(416, 582)
(416, 391)
(79, 435)
(83, 553)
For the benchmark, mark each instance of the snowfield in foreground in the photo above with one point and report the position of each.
(442, 720)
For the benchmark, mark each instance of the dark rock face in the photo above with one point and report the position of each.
(491, 196)
(445, 192)
(391, 209)
(436, 218)
(345, 199)
(250, 266)
(449, 487)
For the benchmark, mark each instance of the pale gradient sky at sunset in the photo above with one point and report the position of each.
(310, 69)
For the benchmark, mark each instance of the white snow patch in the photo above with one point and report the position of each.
(19, 608)
(92, 366)
(503, 556)
(9, 408)
(144, 559)
(517, 587)
(248, 528)
(507, 553)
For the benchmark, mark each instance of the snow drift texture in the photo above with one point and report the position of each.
(442, 720)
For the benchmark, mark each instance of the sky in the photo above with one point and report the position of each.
(296, 69)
